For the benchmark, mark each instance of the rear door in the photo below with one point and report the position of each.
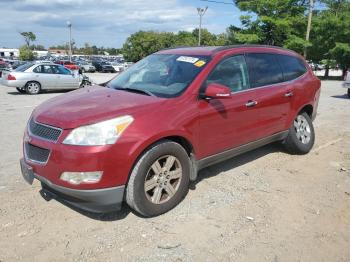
(45, 75)
(228, 123)
(272, 94)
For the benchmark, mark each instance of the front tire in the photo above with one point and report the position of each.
(33, 88)
(159, 180)
(301, 137)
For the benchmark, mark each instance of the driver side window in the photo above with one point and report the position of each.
(231, 72)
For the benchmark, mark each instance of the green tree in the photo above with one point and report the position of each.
(25, 53)
(330, 33)
(28, 37)
(271, 22)
(341, 54)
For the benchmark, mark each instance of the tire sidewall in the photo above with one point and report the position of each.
(141, 203)
(304, 148)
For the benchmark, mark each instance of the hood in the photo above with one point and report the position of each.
(90, 105)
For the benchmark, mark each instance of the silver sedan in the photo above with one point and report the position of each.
(34, 77)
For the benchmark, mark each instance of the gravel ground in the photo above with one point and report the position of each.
(265, 205)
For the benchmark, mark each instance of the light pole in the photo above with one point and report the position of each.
(311, 7)
(201, 12)
(69, 24)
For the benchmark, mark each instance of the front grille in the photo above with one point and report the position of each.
(44, 131)
(36, 154)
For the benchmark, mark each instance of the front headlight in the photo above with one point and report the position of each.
(99, 134)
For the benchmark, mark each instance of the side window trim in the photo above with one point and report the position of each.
(204, 84)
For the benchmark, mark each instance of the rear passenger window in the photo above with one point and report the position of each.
(231, 72)
(263, 70)
(292, 67)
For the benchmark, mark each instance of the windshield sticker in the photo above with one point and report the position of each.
(187, 59)
(199, 63)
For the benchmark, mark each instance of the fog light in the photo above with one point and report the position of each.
(77, 178)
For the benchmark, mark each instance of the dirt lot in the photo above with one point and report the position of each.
(265, 205)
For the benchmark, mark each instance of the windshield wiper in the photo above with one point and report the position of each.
(131, 89)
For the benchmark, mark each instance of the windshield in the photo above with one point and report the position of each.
(163, 75)
(24, 67)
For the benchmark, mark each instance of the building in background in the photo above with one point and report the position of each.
(9, 52)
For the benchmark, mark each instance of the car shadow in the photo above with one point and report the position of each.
(42, 92)
(235, 162)
(341, 96)
(203, 174)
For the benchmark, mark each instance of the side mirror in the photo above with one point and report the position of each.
(218, 91)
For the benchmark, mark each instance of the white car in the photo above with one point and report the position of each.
(118, 67)
(31, 78)
(347, 82)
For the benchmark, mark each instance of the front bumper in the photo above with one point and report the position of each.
(97, 200)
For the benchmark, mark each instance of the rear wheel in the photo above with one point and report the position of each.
(33, 88)
(301, 135)
(159, 180)
(21, 90)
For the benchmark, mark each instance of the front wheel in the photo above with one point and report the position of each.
(301, 135)
(84, 84)
(159, 180)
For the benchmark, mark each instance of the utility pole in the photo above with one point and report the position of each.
(69, 24)
(311, 7)
(201, 12)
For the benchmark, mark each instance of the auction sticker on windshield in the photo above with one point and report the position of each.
(187, 59)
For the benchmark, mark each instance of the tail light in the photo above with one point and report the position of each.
(11, 77)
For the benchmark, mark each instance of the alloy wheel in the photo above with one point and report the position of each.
(163, 179)
(302, 129)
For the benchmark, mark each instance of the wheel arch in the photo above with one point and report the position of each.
(177, 138)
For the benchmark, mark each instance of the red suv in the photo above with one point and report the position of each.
(67, 64)
(144, 135)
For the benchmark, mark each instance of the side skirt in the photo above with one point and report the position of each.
(214, 159)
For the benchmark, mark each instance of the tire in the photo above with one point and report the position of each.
(85, 84)
(21, 90)
(157, 200)
(301, 137)
(33, 88)
(349, 92)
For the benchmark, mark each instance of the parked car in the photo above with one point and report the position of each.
(67, 64)
(103, 67)
(346, 83)
(118, 67)
(86, 67)
(32, 78)
(144, 136)
(4, 67)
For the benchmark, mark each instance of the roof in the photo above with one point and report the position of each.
(211, 50)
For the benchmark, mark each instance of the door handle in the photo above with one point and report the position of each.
(251, 103)
(289, 94)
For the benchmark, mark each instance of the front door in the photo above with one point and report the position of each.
(65, 78)
(230, 122)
